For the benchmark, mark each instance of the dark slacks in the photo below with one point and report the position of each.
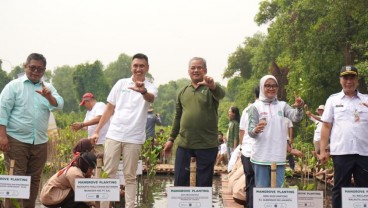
(346, 166)
(249, 180)
(205, 160)
(30, 160)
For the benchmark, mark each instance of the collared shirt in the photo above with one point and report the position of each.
(128, 124)
(349, 118)
(195, 122)
(24, 112)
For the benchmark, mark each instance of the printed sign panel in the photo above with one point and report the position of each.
(189, 197)
(275, 197)
(354, 197)
(310, 199)
(17, 187)
(101, 189)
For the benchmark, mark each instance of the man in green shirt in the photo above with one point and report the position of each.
(195, 126)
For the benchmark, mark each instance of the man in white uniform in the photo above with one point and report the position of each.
(345, 122)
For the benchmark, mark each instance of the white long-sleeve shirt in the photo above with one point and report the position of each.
(270, 145)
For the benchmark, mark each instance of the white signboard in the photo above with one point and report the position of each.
(189, 197)
(310, 199)
(120, 171)
(275, 197)
(354, 197)
(16, 187)
(99, 189)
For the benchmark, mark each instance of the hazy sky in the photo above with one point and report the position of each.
(170, 32)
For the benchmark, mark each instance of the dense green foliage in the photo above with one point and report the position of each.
(118, 69)
(15, 72)
(90, 78)
(63, 82)
(166, 101)
(4, 79)
(311, 39)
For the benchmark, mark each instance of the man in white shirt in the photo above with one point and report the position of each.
(127, 106)
(345, 122)
(317, 132)
(94, 113)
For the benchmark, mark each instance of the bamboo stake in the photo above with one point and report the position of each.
(99, 168)
(307, 168)
(98, 175)
(273, 175)
(7, 202)
(302, 172)
(326, 172)
(193, 170)
(315, 178)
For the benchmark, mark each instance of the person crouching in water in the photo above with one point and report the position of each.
(59, 189)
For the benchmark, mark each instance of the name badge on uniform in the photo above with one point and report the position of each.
(339, 106)
(356, 116)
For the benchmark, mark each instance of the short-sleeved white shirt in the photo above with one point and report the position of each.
(97, 110)
(128, 124)
(247, 142)
(349, 118)
(288, 124)
(317, 132)
(223, 148)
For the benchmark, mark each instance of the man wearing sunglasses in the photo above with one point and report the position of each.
(25, 105)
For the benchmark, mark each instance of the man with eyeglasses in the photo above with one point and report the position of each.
(345, 121)
(195, 125)
(25, 105)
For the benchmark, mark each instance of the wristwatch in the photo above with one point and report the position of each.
(144, 92)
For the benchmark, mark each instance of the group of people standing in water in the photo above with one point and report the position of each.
(260, 132)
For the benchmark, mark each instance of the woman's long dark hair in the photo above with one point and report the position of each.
(235, 110)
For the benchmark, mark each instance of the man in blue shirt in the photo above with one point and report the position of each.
(25, 105)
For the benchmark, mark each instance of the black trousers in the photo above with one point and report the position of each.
(205, 160)
(346, 166)
(249, 181)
